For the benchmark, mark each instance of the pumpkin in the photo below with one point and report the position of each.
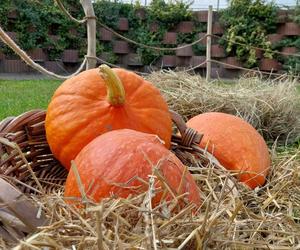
(118, 163)
(93, 103)
(236, 144)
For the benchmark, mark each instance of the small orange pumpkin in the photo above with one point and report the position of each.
(91, 104)
(236, 144)
(114, 164)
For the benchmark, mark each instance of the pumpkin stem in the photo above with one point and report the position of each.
(115, 88)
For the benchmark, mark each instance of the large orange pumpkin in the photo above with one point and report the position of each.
(94, 102)
(236, 144)
(114, 164)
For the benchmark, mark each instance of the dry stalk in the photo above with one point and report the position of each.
(271, 106)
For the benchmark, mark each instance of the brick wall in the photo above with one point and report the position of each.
(128, 58)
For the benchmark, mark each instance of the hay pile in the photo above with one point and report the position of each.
(272, 107)
(231, 216)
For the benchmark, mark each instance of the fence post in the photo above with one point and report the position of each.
(91, 33)
(208, 43)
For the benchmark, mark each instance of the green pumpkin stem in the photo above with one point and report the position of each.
(115, 88)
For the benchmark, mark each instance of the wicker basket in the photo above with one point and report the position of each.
(23, 146)
(27, 166)
(25, 156)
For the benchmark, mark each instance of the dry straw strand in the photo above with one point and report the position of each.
(271, 106)
(230, 217)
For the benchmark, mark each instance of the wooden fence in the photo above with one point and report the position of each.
(216, 63)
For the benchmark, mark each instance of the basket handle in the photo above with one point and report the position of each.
(188, 135)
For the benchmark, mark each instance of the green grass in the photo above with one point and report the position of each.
(17, 97)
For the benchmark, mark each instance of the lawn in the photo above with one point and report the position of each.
(17, 97)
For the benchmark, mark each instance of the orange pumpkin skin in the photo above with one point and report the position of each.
(80, 111)
(236, 144)
(114, 160)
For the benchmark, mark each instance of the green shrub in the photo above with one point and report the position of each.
(170, 13)
(248, 22)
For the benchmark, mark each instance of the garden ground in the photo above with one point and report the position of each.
(231, 216)
(18, 96)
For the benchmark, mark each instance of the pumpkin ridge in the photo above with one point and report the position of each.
(140, 113)
(85, 124)
(69, 88)
(155, 93)
(149, 127)
(118, 157)
(135, 92)
(78, 95)
(77, 103)
(236, 144)
(85, 106)
(133, 111)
